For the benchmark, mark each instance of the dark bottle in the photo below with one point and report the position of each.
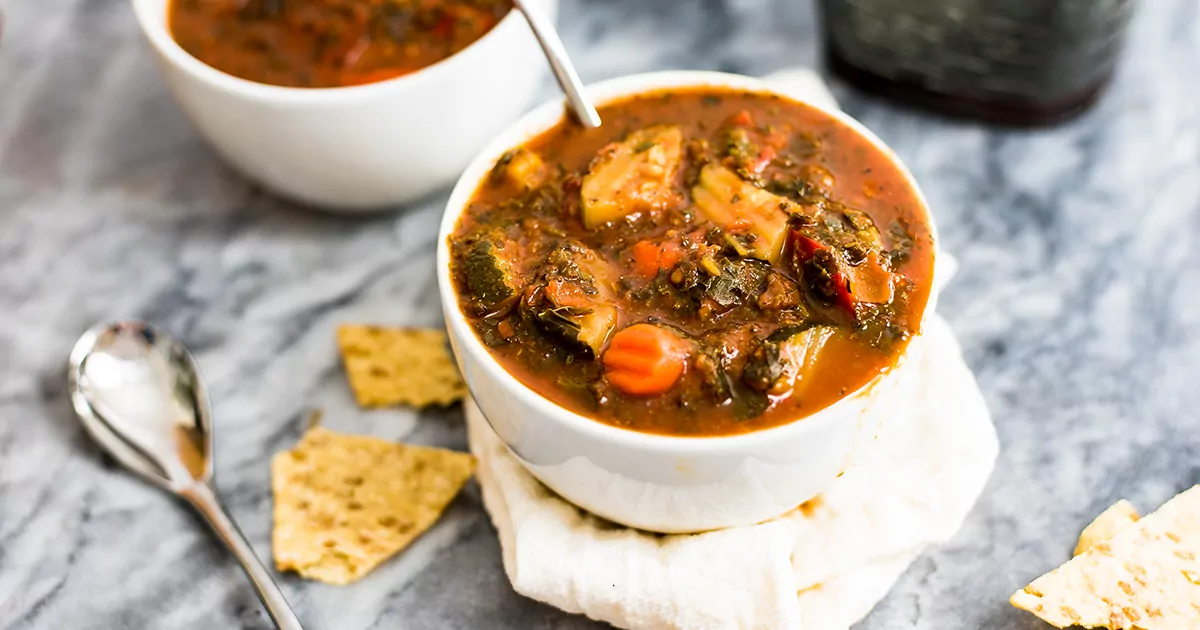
(1017, 62)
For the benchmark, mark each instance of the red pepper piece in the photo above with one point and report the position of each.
(764, 158)
(803, 249)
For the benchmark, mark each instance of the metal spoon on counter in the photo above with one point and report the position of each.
(560, 63)
(138, 393)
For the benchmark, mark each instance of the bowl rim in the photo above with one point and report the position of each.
(545, 117)
(159, 35)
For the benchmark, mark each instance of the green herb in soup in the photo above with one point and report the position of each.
(328, 43)
(708, 262)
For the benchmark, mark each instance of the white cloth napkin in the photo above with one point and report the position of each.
(820, 571)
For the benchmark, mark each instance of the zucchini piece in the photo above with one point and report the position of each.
(783, 363)
(489, 269)
(735, 204)
(633, 175)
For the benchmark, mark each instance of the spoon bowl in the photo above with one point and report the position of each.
(138, 393)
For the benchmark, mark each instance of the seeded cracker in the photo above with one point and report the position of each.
(1147, 576)
(1118, 516)
(388, 366)
(345, 503)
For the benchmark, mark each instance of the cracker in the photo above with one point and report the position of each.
(346, 503)
(1114, 519)
(1146, 576)
(389, 366)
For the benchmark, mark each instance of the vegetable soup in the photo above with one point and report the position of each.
(708, 262)
(328, 43)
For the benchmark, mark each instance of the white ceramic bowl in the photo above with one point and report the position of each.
(655, 482)
(364, 147)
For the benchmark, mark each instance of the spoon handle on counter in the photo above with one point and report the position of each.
(560, 63)
(202, 497)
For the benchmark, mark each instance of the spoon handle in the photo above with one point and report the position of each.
(202, 497)
(560, 63)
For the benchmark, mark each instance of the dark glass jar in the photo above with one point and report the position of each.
(1019, 62)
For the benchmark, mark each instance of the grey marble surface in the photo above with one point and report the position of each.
(1078, 305)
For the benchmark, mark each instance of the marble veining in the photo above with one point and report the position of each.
(1077, 302)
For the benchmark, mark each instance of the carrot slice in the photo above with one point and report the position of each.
(645, 360)
(669, 255)
(650, 258)
(645, 259)
(742, 119)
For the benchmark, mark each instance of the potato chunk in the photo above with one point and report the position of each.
(489, 267)
(737, 205)
(522, 169)
(870, 281)
(634, 175)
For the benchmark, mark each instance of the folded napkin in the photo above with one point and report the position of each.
(818, 568)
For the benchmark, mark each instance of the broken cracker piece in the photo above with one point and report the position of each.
(1114, 519)
(346, 503)
(389, 366)
(1146, 576)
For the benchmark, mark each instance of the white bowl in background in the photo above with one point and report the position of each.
(657, 482)
(365, 147)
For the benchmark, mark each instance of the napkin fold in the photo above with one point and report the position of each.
(819, 568)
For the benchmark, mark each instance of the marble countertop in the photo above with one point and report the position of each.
(1077, 303)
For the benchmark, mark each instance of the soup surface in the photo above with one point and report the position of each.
(708, 262)
(328, 43)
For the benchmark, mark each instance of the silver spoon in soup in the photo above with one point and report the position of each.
(560, 63)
